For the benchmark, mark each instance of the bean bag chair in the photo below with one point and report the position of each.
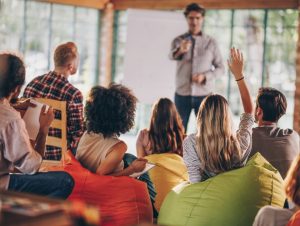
(229, 199)
(121, 200)
(169, 171)
(295, 219)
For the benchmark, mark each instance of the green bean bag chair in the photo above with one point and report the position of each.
(228, 199)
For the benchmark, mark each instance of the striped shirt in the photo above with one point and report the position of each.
(57, 87)
(203, 57)
(192, 160)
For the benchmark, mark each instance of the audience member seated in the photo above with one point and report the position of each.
(121, 200)
(16, 150)
(278, 146)
(276, 216)
(162, 145)
(215, 148)
(166, 132)
(55, 85)
(109, 112)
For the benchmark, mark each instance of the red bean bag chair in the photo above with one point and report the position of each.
(122, 200)
(295, 219)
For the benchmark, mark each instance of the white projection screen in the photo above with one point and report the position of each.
(148, 71)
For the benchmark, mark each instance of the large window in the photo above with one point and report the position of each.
(280, 56)
(267, 39)
(35, 29)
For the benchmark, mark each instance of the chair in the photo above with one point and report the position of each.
(170, 171)
(295, 219)
(228, 199)
(57, 124)
(121, 200)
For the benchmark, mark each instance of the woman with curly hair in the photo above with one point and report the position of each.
(166, 132)
(109, 112)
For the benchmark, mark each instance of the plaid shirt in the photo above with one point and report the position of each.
(57, 87)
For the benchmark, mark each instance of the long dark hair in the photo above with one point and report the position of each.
(166, 132)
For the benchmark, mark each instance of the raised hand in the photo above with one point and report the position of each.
(236, 63)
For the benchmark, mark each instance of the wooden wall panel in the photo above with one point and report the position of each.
(97, 4)
(107, 33)
(209, 4)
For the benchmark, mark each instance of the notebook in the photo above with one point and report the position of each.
(31, 119)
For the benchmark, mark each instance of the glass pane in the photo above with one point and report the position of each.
(248, 35)
(86, 38)
(280, 57)
(63, 19)
(36, 28)
(11, 25)
(37, 39)
(213, 26)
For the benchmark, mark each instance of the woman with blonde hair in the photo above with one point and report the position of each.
(276, 216)
(166, 132)
(216, 148)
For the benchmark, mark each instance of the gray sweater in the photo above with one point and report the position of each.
(277, 146)
(204, 57)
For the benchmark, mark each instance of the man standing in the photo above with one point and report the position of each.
(55, 85)
(279, 146)
(199, 62)
(16, 150)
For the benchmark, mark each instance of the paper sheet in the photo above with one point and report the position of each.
(31, 118)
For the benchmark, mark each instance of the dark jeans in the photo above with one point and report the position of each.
(185, 104)
(51, 184)
(128, 159)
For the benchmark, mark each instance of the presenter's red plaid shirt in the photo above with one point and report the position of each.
(57, 87)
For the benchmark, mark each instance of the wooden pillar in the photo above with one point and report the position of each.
(106, 44)
(297, 82)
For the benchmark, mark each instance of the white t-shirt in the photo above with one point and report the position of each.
(93, 149)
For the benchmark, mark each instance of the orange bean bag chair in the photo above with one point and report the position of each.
(122, 200)
(295, 219)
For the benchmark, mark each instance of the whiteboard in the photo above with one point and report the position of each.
(148, 71)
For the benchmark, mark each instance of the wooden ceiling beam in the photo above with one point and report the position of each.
(209, 4)
(97, 4)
